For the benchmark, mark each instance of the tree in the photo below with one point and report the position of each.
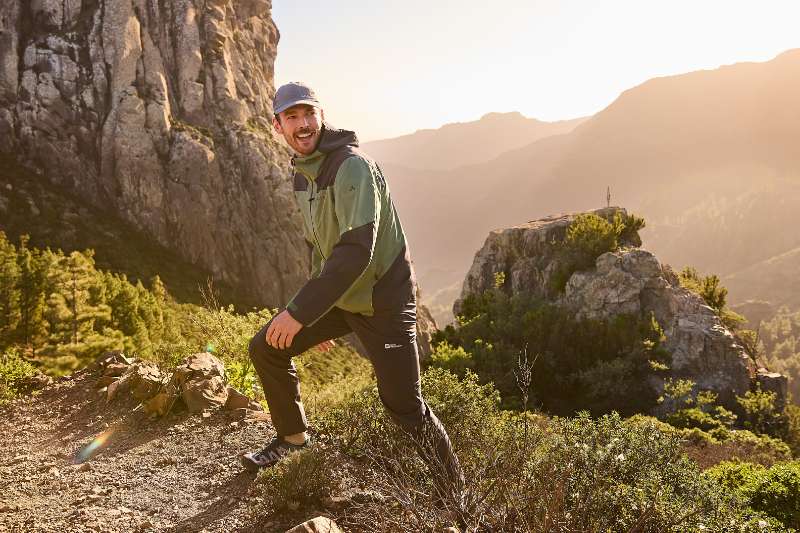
(9, 292)
(77, 302)
(32, 328)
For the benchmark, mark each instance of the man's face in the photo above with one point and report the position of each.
(300, 125)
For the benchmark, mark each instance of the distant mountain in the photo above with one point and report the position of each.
(465, 143)
(711, 159)
(776, 280)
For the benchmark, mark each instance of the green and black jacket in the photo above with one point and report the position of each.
(360, 260)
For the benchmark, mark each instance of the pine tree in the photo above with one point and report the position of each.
(74, 307)
(32, 328)
(9, 291)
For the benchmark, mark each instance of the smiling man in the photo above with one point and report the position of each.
(361, 281)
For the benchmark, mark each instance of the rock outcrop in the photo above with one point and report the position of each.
(199, 381)
(159, 112)
(629, 281)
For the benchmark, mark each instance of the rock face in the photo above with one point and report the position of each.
(525, 254)
(630, 281)
(159, 111)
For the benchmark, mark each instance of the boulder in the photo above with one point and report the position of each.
(201, 380)
(774, 382)
(236, 400)
(320, 524)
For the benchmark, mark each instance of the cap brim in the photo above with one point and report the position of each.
(284, 107)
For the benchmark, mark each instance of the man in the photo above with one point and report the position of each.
(361, 281)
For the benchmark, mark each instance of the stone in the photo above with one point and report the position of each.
(105, 381)
(201, 380)
(143, 380)
(115, 369)
(236, 400)
(774, 382)
(320, 524)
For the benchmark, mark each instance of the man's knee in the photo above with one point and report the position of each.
(259, 349)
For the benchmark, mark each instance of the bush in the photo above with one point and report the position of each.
(13, 371)
(526, 474)
(714, 294)
(600, 365)
(451, 358)
(774, 491)
(793, 428)
(762, 415)
(588, 237)
(303, 478)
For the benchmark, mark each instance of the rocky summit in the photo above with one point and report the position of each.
(159, 112)
(628, 281)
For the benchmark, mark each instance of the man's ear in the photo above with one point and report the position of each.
(276, 123)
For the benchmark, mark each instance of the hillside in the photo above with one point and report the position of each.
(465, 143)
(55, 218)
(709, 159)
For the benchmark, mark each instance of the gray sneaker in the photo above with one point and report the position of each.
(273, 452)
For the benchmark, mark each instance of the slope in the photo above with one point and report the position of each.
(55, 218)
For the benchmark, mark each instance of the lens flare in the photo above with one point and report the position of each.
(93, 447)
(210, 348)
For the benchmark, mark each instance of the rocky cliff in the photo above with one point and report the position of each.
(629, 281)
(159, 111)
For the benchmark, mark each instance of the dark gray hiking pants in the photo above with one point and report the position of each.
(390, 340)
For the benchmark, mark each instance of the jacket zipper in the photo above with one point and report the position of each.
(311, 216)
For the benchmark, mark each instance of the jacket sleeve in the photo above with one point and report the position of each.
(357, 205)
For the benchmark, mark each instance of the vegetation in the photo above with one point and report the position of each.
(58, 313)
(594, 365)
(773, 491)
(779, 342)
(63, 312)
(14, 370)
(588, 237)
(714, 294)
(524, 472)
(45, 215)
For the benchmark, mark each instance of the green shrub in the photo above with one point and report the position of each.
(588, 237)
(761, 414)
(303, 478)
(774, 491)
(525, 474)
(793, 428)
(451, 358)
(600, 365)
(715, 295)
(330, 378)
(14, 369)
(685, 409)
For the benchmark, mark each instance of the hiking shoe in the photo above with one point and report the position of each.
(273, 452)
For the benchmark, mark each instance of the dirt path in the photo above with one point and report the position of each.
(179, 473)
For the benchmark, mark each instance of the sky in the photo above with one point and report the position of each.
(386, 69)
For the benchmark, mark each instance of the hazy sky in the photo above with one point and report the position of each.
(389, 68)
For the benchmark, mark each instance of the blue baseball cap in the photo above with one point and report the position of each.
(294, 93)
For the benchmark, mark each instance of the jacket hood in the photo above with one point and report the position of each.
(332, 138)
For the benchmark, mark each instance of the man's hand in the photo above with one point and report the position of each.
(282, 330)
